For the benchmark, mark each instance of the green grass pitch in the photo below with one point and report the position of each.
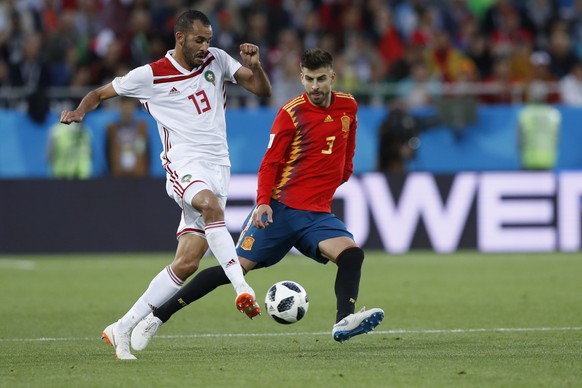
(452, 320)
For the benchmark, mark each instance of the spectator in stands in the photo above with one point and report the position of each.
(350, 27)
(312, 30)
(573, 18)
(4, 83)
(463, 37)
(521, 67)
(15, 25)
(479, 51)
(508, 31)
(87, 20)
(443, 59)
(499, 86)
(299, 12)
(426, 29)
(361, 55)
(406, 17)
(386, 37)
(420, 88)
(457, 16)
(133, 31)
(256, 29)
(106, 57)
(135, 41)
(127, 142)
(571, 86)
(562, 55)
(539, 15)
(283, 60)
(32, 72)
(543, 86)
(495, 16)
(227, 33)
(401, 69)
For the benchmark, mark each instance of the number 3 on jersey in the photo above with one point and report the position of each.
(329, 140)
(200, 101)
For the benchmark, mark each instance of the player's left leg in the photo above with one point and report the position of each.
(203, 283)
(347, 283)
(255, 248)
(349, 259)
(204, 199)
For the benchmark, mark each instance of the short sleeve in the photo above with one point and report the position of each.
(227, 63)
(138, 83)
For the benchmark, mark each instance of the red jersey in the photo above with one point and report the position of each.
(310, 153)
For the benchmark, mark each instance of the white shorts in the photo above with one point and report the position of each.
(184, 182)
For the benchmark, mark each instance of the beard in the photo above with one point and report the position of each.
(319, 97)
(192, 57)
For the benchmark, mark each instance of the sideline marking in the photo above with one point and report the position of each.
(395, 331)
(25, 265)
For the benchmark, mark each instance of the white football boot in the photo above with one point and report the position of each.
(354, 324)
(119, 340)
(144, 332)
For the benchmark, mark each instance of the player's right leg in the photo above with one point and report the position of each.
(190, 250)
(162, 286)
(119, 340)
(203, 283)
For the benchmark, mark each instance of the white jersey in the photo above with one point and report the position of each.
(189, 106)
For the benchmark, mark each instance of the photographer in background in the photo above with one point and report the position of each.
(399, 137)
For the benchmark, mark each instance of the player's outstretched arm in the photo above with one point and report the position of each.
(90, 102)
(251, 76)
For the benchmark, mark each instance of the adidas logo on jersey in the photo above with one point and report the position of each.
(174, 91)
(328, 119)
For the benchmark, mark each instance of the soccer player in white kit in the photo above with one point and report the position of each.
(185, 93)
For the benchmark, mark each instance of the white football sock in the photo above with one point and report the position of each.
(161, 288)
(222, 246)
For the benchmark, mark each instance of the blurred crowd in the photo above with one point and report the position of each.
(518, 51)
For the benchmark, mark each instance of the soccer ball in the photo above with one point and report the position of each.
(286, 302)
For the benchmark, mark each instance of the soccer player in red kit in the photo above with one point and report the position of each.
(310, 154)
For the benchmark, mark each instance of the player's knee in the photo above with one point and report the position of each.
(213, 214)
(352, 254)
(208, 204)
(212, 211)
(185, 265)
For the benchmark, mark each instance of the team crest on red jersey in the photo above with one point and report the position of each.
(210, 77)
(247, 243)
(345, 125)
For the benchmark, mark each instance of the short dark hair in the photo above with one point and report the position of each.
(316, 58)
(186, 19)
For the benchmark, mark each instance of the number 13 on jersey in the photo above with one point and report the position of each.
(200, 101)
